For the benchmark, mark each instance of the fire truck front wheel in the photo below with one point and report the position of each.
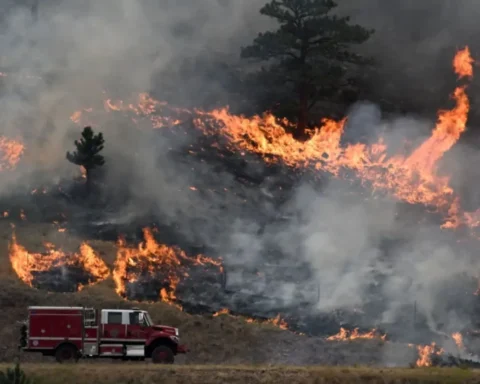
(67, 353)
(162, 355)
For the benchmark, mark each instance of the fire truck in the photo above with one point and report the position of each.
(69, 333)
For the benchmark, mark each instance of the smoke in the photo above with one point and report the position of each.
(68, 56)
(368, 253)
(64, 58)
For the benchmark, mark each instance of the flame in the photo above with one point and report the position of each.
(25, 263)
(277, 321)
(224, 311)
(345, 335)
(457, 336)
(11, 152)
(83, 172)
(150, 257)
(463, 63)
(425, 353)
(410, 177)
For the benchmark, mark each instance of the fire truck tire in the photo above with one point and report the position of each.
(162, 355)
(66, 353)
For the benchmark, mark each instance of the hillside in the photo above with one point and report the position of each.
(222, 339)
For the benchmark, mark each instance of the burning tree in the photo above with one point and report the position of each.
(87, 153)
(307, 54)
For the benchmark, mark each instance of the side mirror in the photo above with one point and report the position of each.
(141, 318)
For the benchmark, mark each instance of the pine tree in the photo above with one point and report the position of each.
(87, 153)
(307, 55)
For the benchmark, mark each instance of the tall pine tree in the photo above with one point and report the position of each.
(307, 55)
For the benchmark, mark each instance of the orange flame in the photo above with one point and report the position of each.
(345, 335)
(457, 336)
(83, 172)
(463, 63)
(224, 311)
(276, 321)
(151, 257)
(411, 178)
(25, 263)
(425, 354)
(11, 152)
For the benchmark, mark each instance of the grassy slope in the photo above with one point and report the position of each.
(147, 373)
(218, 340)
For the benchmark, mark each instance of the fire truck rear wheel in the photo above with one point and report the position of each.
(162, 355)
(66, 354)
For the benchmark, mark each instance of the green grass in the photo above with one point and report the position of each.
(144, 373)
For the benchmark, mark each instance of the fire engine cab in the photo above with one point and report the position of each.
(69, 333)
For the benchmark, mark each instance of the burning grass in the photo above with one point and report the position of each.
(29, 265)
(151, 258)
(218, 339)
(411, 175)
(130, 373)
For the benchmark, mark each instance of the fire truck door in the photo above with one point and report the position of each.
(135, 328)
(113, 326)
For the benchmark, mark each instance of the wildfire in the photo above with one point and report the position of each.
(412, 177)
(223, 311)
(425, 354)
(11, 152)
(457, 336)
(276, 321)
(26, 264)
(83, 172)
(150, 258)
(345, 335)
(463, 63)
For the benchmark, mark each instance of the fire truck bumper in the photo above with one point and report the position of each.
(182, 349)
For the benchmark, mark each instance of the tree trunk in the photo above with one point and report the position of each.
(88, 181)
(302, 117)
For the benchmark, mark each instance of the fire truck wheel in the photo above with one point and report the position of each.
(162, 355)
(66, 354)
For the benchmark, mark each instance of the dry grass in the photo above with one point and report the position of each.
(214, 340)
(140, 373)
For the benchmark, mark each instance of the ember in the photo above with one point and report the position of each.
(11, 152)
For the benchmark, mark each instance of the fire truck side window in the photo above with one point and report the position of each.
(134, 318)
(114, 318)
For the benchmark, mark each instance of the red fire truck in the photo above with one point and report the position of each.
(69, 333)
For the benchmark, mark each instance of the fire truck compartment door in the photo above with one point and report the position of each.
(135, 350)
(90, 349)
(113, 324)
